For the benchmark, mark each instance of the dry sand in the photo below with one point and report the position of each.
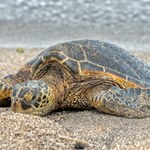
(67, 129)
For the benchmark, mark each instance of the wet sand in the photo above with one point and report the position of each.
(86, 129)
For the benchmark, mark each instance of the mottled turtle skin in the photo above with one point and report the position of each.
(82, 74)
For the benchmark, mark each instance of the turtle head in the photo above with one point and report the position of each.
(32, 97)
(6, 87)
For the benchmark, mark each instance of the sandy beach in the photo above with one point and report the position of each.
(61, 130)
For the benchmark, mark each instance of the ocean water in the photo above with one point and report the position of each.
(41, 23)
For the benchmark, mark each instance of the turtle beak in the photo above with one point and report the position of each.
(21, 106)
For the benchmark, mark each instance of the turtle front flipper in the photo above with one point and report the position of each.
(5, 90)
(130, 103)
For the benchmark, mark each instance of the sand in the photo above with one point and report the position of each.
(61, 130)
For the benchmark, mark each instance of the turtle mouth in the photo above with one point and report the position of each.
(22, 106)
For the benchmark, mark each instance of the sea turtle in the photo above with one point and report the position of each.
(81, 74)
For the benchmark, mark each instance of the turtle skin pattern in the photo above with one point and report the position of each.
(82, 74)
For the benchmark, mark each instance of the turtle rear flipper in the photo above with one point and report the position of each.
(130, 103)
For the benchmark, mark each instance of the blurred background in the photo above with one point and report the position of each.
(41, 23)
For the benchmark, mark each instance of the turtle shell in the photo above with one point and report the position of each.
(95, 56)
